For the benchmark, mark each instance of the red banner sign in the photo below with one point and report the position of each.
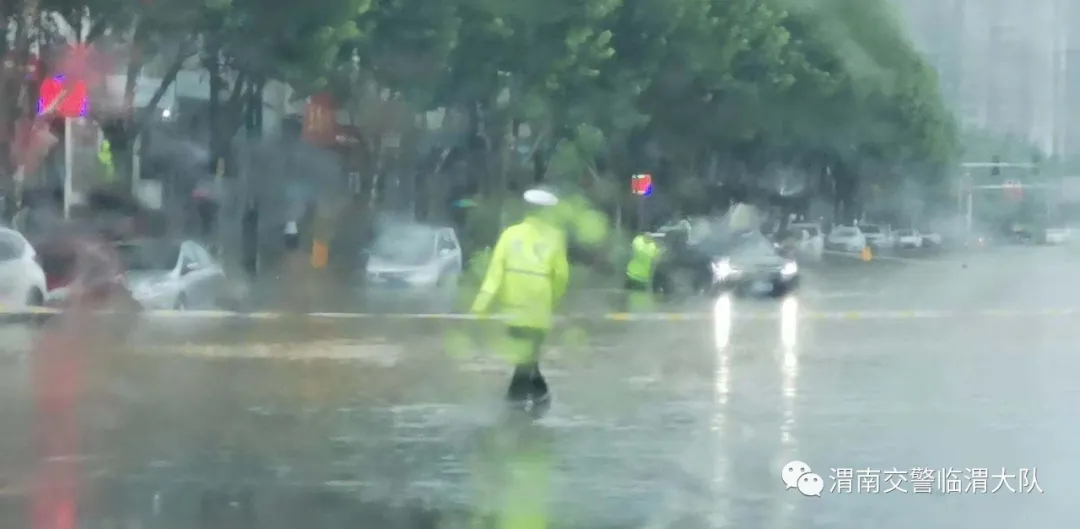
(61, 97)
(320, 125)
(641, 185)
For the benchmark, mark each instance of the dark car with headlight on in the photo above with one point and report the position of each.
(745, 263)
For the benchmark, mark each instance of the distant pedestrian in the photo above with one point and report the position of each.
(292, 236)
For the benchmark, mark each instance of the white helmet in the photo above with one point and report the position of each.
(540, 197)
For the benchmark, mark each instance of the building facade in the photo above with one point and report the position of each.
(1012, 68)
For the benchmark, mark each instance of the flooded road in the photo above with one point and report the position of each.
(388, 422)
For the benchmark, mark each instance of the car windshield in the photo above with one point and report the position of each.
(845, 232)
(810, 230)
(871, 229)
(754, 245)
(751, 244)
(149, 256)
(905, 233)
(409, 246)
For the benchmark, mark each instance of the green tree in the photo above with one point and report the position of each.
(247, 43)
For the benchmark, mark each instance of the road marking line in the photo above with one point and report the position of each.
(848, 315)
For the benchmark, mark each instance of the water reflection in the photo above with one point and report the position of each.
(789, 370)
(513, 470)
(722, 319)
(722, 322)
(789, 390)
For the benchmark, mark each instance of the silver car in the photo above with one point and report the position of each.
(172, 275)
(414, 256)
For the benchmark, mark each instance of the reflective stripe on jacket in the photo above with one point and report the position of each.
(527, 274)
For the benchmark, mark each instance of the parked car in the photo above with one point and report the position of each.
(931, 239)
(22, 280)
(811, 241)
(165, 274)
(846, 238)
(1058, 235)
(414, 256)
(909, 238)
(877, 235)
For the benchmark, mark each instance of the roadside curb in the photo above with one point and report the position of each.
(833, 257)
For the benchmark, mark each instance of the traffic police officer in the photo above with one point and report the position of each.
(526, 278)
(639, 271)
(105, 158)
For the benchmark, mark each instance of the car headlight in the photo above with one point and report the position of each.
(789, 269)
(148, 290)
(722, 269)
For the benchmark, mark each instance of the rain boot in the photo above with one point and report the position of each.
(517, 394)
(539, 394)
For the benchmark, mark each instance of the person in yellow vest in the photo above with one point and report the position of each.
(526, 278)
(105, 157)
(645, 252)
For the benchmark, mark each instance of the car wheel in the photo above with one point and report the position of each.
(782, 289)
(35, 298)
(181, 303)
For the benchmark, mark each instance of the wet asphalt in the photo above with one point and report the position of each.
(950, 364)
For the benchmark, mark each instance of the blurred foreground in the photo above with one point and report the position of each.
(253, 424)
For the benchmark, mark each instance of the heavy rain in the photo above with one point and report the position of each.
(589, 265)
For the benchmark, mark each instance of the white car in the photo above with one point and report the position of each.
(22, 281)
(846, 238)
(931, 239)
(414, 256)
(178, 275)
(1058, 235)
(909, 239)
(811, 240)
(877, 235)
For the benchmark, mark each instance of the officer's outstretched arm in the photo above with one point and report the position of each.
(560, 274)
(493, 278)
(656, 250)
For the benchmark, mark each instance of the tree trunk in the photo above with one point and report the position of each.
(13, 87)
(253, 109)
(7, 124)
(213, 67)
(123, 152)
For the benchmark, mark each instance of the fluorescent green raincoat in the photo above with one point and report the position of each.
(105, 158)
(527, 275)
(643, 259)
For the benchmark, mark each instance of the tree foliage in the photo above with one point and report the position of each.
(698, 89)
(624, 85)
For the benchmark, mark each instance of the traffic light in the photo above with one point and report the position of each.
(996, 169)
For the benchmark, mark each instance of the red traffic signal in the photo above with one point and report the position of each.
(74, 102)
(641, 185)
